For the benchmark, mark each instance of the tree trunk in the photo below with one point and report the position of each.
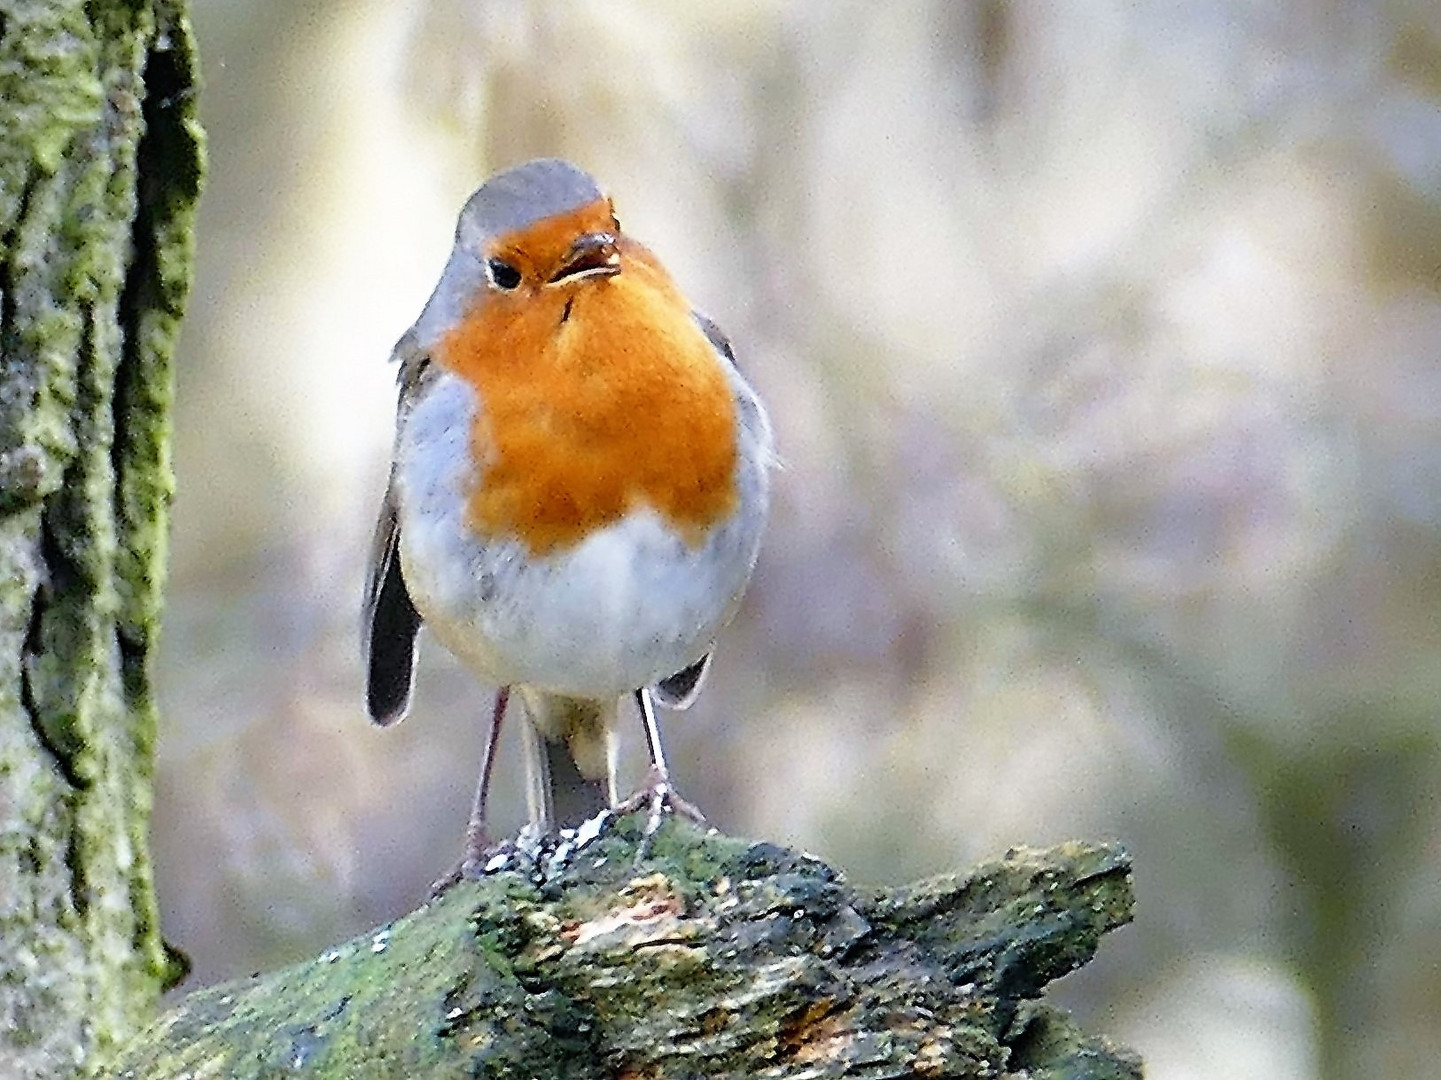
(100, 167)
(690, 956)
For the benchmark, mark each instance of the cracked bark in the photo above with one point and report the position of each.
(705, 956)
(100, 166)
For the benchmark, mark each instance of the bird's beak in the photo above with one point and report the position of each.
(592, 255)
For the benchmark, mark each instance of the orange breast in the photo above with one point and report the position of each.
(598, 397)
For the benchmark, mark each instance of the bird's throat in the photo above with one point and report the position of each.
(596, 400)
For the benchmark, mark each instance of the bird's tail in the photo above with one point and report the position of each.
(574, 798)
(571, 759)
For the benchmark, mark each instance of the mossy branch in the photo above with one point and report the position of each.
(695, 956)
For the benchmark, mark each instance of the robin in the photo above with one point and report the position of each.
(577, 494)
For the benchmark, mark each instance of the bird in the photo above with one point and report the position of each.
(578, 489)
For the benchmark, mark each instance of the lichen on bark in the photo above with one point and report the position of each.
(697, 955)
(100, 169)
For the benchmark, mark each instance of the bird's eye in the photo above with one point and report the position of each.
(503, 274)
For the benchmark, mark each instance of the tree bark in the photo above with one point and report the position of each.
(100, 168)
(696, 955)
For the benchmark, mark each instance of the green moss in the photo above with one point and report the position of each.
(47, 81)
(100, 168)
(696, 955)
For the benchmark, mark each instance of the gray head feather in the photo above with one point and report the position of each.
(507, 201)
(522, 196)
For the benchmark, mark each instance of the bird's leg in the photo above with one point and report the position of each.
(539, 802)
(477, 836)
(657, 793)
(652, 735)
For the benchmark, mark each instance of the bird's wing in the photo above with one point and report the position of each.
(680, 690)
(389, 621)
(716, 337)
(389, 624)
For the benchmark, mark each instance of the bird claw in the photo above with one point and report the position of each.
(657, 797)
(441, 885)
(481, 857)
(660, 799)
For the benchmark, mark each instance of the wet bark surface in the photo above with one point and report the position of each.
(692, 955)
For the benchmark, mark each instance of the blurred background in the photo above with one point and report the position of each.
(1103, 346)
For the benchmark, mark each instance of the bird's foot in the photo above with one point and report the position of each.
(480, 857)
(659, 798)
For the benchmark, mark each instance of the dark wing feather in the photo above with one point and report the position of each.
(716, 337)
(680, 690)
(389, 621)
(389, 625)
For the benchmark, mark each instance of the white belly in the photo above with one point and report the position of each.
(627, 606)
